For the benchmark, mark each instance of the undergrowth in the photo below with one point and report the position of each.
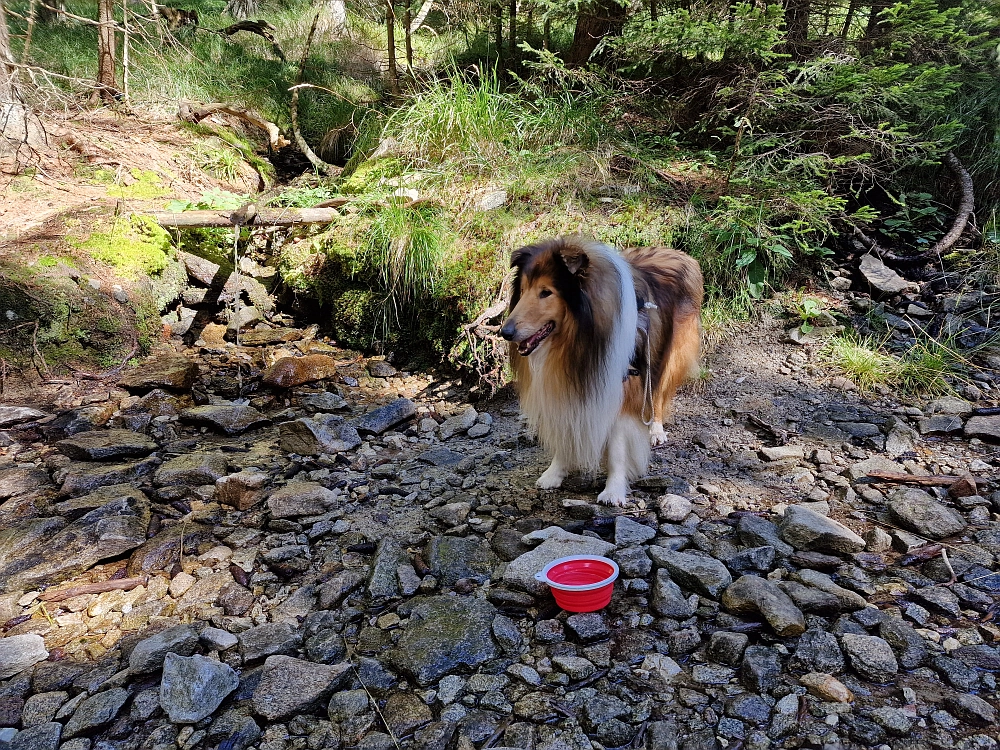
(928, 367)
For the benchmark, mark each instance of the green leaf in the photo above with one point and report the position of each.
(746, 258)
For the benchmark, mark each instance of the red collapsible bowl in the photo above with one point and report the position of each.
(581, 583)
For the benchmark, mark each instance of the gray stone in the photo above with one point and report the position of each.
(193, 687)
(19, 652)
(782, 452)
(301, 499)
(150, 653)
(41, 737)
(381, 419)
(102, 445)
(693, 570)
(668, 599)
(817, 651)
(849, 600)
(940, 599)
(983, 427)
(628, 532)
(750, 708)
(325, 402)
(811, 600)
(557, 543)
(893, 720)
(232, 419)
(457, 424)
(42, 707)
(880, 276)
(405, 713)
(673, 508)
(940, 424)
(267, 640)
(727, 648)
(917, 511)
(383, 580)
(633, 562)
(755, 531)
(339, 586)
(453, 558)
(760, 670)
(870, 656)
(217, 639)
(972, 708)
(291, 686)
(444, 634)
(308, 437)
(588, 626)
(909, 646)
(83, 478)
(752, 595)
(452, 514)
(808, 530)
(442, 457)
(96, 711)
(193, 469)
(12, 415)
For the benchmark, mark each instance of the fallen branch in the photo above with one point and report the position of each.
(932, 480)
(965, 207)
(261, 28)
(318, 164)
(194, 112)
(267, 217)
(122, 584)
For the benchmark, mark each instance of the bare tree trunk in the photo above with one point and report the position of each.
(390, 36)
(335, 17)
(498, 35)
(421, 15)
(19, 127)
(407, 21)
(106, 50)
(512, 31)
(796, 27)
(876, 30)
(32, 16)
(852, 8)
(547, 33)
(654, 12)
(597, 20)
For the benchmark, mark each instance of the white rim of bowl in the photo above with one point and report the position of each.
(543, 576)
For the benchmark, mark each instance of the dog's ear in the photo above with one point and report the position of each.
(575, 260)
(520, 256)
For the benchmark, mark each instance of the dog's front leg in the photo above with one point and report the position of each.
(616, 490)
(553, 476)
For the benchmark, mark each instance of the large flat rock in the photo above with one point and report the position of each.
(104, 445)
(289, 372)
(556, 543)
(174, 373)
(232, 419)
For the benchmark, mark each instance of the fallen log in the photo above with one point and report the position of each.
(122, 584)
(195, 112)
(931, 480)
(266, 217)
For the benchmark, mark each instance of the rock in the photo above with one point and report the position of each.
(727, 648)
(41, 737)
(817, 651)
(12, 415)
(755, 531)
(893, 720)
(383, 580)
(673, 508)
(557, 543)
(457, 424)
(452, 514)
(267, 640)
(442, 457)
(633, 562)
(289, 372)
(232, 419)
(877, 540)
(83, 478)
(909, 646)
(19, 652)
(217, 639)
(242, 490)
(628, 532)
(444, 634)
(308, 437)
(339, 586)
(301, 499)
(453, 558)
(917, 511)
(983, 427)
(940, 599)
(880, 276)
(808, 530)
(827, 687)
(96, 711)
(668, 599)
(405, 713)
(102, 445)
(42, 707)
(693, 570)
(171, 372)
(269, 336)
(752, 595)
(870, 656)
(492, 200)
(972, 708)
(193, 469)
(478, 430)
(782, 452)
(760, 670)
(848, 600)
(291, 686)
(588, 626)
(150, 653)
(940, 424)
(163, 550)
(381, 419)
(193, 687)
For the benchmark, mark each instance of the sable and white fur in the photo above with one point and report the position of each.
(574, 332)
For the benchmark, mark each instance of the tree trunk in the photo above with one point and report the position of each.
(654, 13)
(852, 8)
(19, 127)
(797, 27)
(597, 20)
(421, 15)
(390, 38)
(877, 27)
(335, 17)
(512, 31)
(498, 35)
(409, 37)
(547, 33)
(106, 50)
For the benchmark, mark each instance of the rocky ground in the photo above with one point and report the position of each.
(344, 558)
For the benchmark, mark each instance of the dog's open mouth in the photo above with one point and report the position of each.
(531, 343)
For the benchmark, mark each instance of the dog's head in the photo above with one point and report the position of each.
(548, 298)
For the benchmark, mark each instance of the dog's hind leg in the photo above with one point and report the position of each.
(553, 476)
(656, 434)
(627, 456)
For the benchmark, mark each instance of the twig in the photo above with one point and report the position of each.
(934, 480)
(496, 735)
(44, 371)
(947, 564)
(122, 584)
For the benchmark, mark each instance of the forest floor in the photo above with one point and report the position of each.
(359, 547)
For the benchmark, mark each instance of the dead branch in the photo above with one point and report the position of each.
(285, 217)
(965, 207)
(195, 112)
(933, 480)
(319, 164)
(261, 28)
(418, 20)
(122, 584)
(44, 369)
(874, 248)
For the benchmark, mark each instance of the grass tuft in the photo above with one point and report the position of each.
(925, 369)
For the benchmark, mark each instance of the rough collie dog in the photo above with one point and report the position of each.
(600, 342)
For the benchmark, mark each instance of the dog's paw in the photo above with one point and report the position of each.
(656, 435)
(614, 495)
(550, 480)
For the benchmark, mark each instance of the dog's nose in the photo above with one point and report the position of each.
(509, 330)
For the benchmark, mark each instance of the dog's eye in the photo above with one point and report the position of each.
(545, 293)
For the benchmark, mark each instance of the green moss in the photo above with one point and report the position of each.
(135, 245)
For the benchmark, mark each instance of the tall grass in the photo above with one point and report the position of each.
(925, 368)
(408, 247)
